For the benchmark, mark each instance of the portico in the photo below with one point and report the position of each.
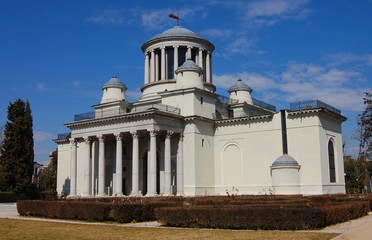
(120, 160)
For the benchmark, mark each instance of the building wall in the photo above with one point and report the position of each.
(63, 167)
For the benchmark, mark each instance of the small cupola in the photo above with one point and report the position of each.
(189, 75)
(114, 90)
(241, 92)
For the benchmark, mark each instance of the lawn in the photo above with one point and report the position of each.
(23, 229)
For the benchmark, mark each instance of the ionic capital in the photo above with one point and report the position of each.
(153, 132)
(72, 141)
(169, 134)
(87, 140)
(118, 136)
(101, 138)
(135, 134)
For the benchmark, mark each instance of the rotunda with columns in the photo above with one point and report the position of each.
(181, 138)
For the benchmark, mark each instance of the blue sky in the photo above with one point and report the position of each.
(58, 54)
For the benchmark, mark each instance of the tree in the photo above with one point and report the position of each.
(48, 176)
(2, 127)
(17, 153)
(365, 124)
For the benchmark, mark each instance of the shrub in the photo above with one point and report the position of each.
(7, 197)
(65, 209)
(139, 212)
(278, 216)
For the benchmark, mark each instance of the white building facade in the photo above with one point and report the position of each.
(181, 138)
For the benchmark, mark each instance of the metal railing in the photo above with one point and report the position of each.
(114, 112)
(156, 106)
(226, 100)
(263, 105)
(84, 116)
(312, 104)
(62, 136)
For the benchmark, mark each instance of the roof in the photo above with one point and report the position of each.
(114, 82)
(189, 64)
(285, 160)
(177, 31)
(240, 86)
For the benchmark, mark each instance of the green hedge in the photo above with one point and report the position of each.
(65, 209)
(279, 217)
(7, 197)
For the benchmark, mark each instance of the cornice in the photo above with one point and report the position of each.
(320, 111)
(127, 116)
(244, 119)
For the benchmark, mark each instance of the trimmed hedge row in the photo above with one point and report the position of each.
(137, 212)
(65, 210)
(98, 211)
(285, 217)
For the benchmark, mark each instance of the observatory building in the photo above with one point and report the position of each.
(181, 138)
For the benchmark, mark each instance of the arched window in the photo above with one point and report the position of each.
(331, 159)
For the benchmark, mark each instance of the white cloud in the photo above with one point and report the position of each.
(301, 81)
(347, 58)
(133, 95)
(254, 80)
(159, 19)
(110, 16)
(42, 136)
(217, 33)
(268, 12)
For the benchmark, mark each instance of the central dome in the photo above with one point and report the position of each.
(177, 31)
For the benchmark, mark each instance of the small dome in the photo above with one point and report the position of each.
(240, 86)
(177, 31)
(114, 82)
(189, 64)
(285, 160)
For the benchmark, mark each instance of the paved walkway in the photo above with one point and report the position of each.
(355, 229)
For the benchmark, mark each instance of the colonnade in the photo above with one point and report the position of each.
(118, 186)
(201, 57)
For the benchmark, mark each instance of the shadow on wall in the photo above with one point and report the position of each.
(66, 186)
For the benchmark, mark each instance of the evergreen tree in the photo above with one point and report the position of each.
(17, 154)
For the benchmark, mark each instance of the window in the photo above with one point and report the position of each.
(331, 159)
(201, 100)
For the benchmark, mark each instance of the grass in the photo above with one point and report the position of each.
(23, 229)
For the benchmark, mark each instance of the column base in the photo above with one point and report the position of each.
(101, 195)
(152, 195)
(87, 195)
(167, 195)
(73, 196)
(135, 195)
(180, 194)
(118, 195)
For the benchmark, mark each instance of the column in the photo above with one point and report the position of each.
(167, 164)
(135, 165)
(180, 167)
(147, 79)
(87, 167)
(151, 191)
(175, 56)
(119, 166)
(162, 63)
(188, 54)
(208, 68)
(201, 57)
(73, 167)
(156, 66)
(152, 66)
(101, 166)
